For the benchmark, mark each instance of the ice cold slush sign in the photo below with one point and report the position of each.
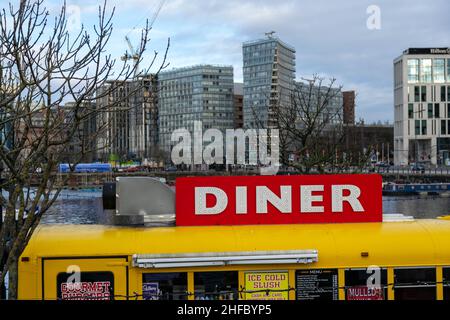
(203, 201)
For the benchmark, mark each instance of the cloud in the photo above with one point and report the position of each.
(330, 37)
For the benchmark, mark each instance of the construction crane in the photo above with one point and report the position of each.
(134, 54)
(270, 34)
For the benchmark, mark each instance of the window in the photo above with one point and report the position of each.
(424, 93)
(320, 284)
(439, 70)
(416, 94)
(426, 70)
(410, 111)
(413, 70)
(443, 93)
(415, 284)
(424, 127)
(430, 110)
(448, 94)
(358, 282)
(164, 286)
(446, 280)
(417, 127)
(443, 127)
(448, 70)
(216, 285)
(436, 110)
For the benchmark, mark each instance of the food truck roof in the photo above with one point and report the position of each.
(388, 243)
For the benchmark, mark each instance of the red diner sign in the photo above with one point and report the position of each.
(203, 201)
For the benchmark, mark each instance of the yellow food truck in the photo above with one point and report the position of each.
(398, 258)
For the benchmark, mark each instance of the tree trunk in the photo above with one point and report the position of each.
(13, 280)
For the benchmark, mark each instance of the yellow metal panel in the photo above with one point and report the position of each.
(29, 280)
(241, 284)
(341, 283)
(390, 281)
(191, 285)
(439, 286)
(292, 284)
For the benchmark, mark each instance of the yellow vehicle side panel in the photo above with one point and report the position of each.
(340, 246)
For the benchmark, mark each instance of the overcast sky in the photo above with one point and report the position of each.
(331, 37)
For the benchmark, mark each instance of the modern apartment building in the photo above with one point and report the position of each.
(113, 121)
(269, 73)
(196, 93)
(144, 122)
(129, 118)
(422, 106)
(313, 99)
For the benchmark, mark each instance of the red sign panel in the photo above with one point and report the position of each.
(365, 293)
(203, 201)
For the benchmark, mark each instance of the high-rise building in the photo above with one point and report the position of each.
(113, 142)
(144, 122)
(269, 73)
(197, 93)
(349, 106)
(129, 117)
(314, 95)
(422, 106)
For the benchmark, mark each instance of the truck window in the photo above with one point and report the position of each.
(164, 286)
(446, 280)
(415, 284)
(216, 285)
(364, 284)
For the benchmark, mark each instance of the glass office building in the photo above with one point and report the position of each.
(198, 93)
(422, 106)
(269, 73)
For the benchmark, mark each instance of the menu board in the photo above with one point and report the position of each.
(317, 284)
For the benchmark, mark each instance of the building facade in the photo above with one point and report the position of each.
(129, 118)
(114, 121)
(269, 73)
(361, 138)
(422, 106)
(144, 119)
(198, 93)
(349, 106)
(319, 99)
(83, 143)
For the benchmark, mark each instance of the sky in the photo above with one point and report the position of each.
(332, 38)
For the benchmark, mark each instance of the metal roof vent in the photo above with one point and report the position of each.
(140, 201)
(397, 217)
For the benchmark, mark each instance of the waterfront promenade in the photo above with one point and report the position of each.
(400, 175)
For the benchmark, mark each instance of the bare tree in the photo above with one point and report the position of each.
(311, 129)
(43, 65)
